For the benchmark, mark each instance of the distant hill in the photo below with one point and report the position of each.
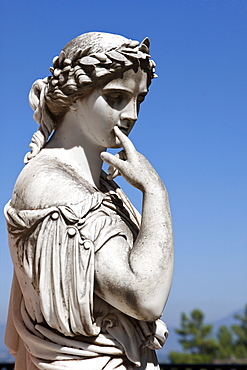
(171, 344)
(228, 320)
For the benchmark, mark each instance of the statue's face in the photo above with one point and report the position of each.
(116, 104)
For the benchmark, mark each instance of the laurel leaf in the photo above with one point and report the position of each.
(57, 72)
(100, 56)
(144, 48)
(99, 72)
(55, 61)
(67, 62)
(89, 61)
(78, 54)
(146, 42)
(61, 57)
(54, 82)
(85, 51)
(133, 43)
(136, 54)
(128, 50)
(61, 79)
(67, 68)
(115, 55)
(84, 79)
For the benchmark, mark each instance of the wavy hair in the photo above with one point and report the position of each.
(85, 63)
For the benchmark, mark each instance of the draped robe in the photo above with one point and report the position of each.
(56, 321)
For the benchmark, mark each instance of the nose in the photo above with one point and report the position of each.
(129, 113)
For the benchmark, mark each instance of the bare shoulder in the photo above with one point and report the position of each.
(45, 182)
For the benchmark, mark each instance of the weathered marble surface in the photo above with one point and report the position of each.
(91, 276)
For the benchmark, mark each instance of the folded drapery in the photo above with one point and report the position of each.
(55, 319)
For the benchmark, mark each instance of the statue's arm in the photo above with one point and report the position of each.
(137, 279)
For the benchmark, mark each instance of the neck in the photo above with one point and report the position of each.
(69, 143)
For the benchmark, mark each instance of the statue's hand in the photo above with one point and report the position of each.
(129, 163)
(112, 171)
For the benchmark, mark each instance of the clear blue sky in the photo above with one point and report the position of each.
(192, 126)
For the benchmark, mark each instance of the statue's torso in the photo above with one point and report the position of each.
(57, 222)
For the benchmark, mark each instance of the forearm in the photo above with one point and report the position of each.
(143, 272)
(136, 279)
(151, 258)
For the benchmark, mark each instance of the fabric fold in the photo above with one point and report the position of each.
(53, 252)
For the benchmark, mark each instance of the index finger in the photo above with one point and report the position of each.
(125, 141)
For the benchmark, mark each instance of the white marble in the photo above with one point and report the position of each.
(91, 276)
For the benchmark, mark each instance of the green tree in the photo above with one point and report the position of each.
(196, 340)
(240, 332)
(225, 343)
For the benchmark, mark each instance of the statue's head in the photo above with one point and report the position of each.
(86, 63)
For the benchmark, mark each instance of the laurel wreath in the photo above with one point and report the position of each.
(84, 64)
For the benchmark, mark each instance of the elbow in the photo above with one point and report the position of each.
(152, 312)
(152, 304)
(149, 316)
(149, 310)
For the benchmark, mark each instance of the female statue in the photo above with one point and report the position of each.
(91, 277)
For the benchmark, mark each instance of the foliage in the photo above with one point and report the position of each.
(196, 340)
(200, 346)
(225, 343)
(240, 331)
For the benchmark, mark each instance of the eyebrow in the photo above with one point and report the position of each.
(144, 92)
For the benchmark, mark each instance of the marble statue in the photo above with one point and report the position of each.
(91, 277)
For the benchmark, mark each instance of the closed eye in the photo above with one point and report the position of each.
(116, 97)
